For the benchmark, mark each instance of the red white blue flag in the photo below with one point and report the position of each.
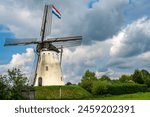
(56, 12)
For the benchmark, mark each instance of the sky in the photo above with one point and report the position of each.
(116, 35)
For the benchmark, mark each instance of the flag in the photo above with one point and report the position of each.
(56, 12)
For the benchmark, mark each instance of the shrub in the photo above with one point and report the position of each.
(100, 88)
(126, 88)
(125, 79)
(147, 80)
(87, 85)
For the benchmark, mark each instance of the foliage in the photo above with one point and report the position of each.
(146, 77)
(126, 88)
(18, 81)
(105, 77)
(4, 88)
(88, 75)
(100, 87)
(141, 77)
(126, 84)
(147, 81)
(115, 81)
(87, 80)
(137, 77)
(87, 85)
(125, 79)
(13, 83)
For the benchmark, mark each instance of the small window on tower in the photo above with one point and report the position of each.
(46, 68)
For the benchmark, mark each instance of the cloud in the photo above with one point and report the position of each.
(24, 17)
(110, 73)
(130, 47)
(92, 57)
(100, 22)
(133, 40)
(21, 21)
(104, 20)
(21, 61)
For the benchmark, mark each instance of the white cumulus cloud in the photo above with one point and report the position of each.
(21, 61)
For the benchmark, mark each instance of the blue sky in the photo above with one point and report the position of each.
(116, 35)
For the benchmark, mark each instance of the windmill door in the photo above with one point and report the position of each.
(40, 81)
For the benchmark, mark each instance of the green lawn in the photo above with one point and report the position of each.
(67, 92)
(135, 96)
(78, 93)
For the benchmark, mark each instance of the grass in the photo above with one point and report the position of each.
(135, 96)
(78, 93)
(67, 92)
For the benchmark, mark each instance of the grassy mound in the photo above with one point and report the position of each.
(67, 92)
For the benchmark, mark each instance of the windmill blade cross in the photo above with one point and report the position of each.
(14, 42)
(65, 41)
(46, 22)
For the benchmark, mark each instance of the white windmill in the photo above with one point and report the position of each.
(48, 68)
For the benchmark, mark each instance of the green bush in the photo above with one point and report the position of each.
(100, 88)
(87, 85)
(126, 88)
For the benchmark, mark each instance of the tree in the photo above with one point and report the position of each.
(89, 75)
(147, 81)
(87, 80)
(4, 88)
(125, 78)
(146, 77)
(13, 83)
(137, 77)
(105, 77)
(18, 81)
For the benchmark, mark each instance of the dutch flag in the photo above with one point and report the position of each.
(56, 12)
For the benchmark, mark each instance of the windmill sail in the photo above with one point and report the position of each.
(67, 44)
(13, 42)
(47, 21)
(66, 41)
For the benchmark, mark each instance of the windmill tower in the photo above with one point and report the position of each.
(49, 51)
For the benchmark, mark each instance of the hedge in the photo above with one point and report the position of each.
(100, 88)
(126, 88)
(87, 85)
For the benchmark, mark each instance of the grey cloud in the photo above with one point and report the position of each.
(104, 20)
(134, 41)
(99, 23)
(93, 57)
